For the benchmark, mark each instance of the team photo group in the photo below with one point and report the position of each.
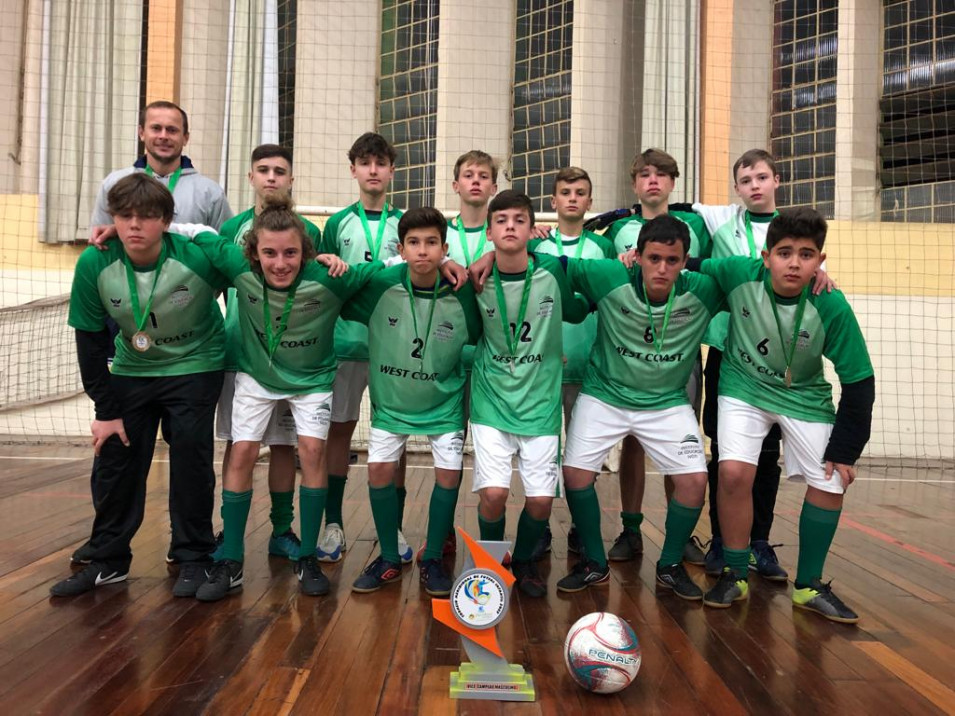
(551, 344)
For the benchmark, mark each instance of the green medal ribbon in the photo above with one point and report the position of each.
(748, 223)
(803, 297)
(462, 237)
(173, 178)
(658, 347)
(510, 337)
(273, 341)
(140, 318)
(560, 244)
(381, 229)
(423, 344)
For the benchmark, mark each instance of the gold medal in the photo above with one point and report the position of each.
(789, 377)
(141, 341)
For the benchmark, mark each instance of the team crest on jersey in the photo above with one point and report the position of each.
(680, 316)
(745, 312)
(803, 340)
(181, 297)
(444, 331)
(625, 311)
(490, 312)
(252, 299)
(392, 321)
(116, 302)
(545, 308)
(312, 304)
(346, 241)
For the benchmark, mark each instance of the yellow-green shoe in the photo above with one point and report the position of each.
(728, 589)
(818, 598)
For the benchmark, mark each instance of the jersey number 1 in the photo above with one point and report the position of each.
(525, 332)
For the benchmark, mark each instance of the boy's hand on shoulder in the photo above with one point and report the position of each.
(336, 267)
(846, 472)
(541, 231)
(99, 235)
(480, 270)
(628, 258)
(823, 282)
(454, 273)
(103, 430)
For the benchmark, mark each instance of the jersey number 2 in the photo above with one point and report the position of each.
(418, 345)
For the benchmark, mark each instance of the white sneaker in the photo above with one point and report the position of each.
(404, 549)
(331, 543)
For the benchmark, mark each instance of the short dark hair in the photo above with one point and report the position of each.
(510, 199)
(664, 229)
(140, 194)
(267, 151)
(164, 104)
(799, 223)
(753, 157)
(422, 217)
(278, 214)
(569, 175)
(664, 163)
(476, 156)
(371, 144)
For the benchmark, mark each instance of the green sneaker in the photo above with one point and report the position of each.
(728, 589)
(818, 597)
(285, 545)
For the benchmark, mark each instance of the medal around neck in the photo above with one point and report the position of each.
(479, 601)
(141, 341)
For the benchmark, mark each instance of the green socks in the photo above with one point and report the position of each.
(736, 559)
(585, 512)
(491, 531)
(311, 505)
(817, 527)
(336, 495)
(679, 526)
(633, 520)
(384, 509)
(235, 515)
(402, 495)
(440, 519)
(529, 532)
(282, 512)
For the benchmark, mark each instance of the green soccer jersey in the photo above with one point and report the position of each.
(416, 377)
(578, 337)
(735, 232)
(303, 360)
(624, 233)
(632, 365)
(465, 246)
(347, 237)
(515, 384)
(236, 228)
(183, 321)
(757, 349)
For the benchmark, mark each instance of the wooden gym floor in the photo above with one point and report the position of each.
(133, 648)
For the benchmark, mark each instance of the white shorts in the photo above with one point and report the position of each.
(671, 437)
(279, 431)
(743, 427)
(253, 405)
(537, 461)
(447, 449)
(350, 383)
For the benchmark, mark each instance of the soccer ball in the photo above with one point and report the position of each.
(602, 653)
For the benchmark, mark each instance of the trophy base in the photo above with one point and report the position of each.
(506, 683)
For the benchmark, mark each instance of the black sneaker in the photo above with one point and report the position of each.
(312, 580)
(191, 575)
(818, 598)
(224, 577)
(713, 562)
(573, 541)
(83, 554)
(376, 575)
(728, 589)
(675, 577)
(543, 545)
(528, 580)
(694, 552)
(763, 561)
(586, 573)
(434, 579)
(95, 574)
(627, 546)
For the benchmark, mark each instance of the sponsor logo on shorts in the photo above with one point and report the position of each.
(546, 307)
(690, 446)
(444, 331)
(323, 414)
(456, 446)
(181, 297)
(392, 321)
(116, 302)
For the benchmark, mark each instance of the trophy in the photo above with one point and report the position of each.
(479, 600)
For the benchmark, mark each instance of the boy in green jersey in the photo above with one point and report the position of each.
(475, 182)
(287, 307)
(654, 174)
(572, 197)
(363, 232)
(160, 290)
(417, 329)
(652, 318)
(772, 374)
(270, 175)
(515, 389)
